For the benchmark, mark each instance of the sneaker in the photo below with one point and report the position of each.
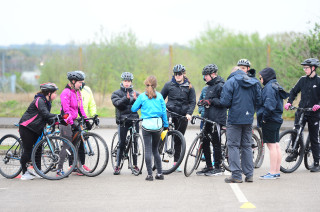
(232, 180)
(76, 172)
(159, 177)
(277, 175)
(203, 171)
(268, 177)
(27, 176)
(292, 157)
(177, 169)
(315, 168)
(33, 172)
(86, 168)
(249, 179)
(116, 171)
(213, 172)
(136, 169)
(60, 173)
(149, 178)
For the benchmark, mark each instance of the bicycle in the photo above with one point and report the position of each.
(46, 149)
(167, 147)
(292, 144)
(133, 150)
(258, 132)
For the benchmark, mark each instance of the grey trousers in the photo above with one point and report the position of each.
(239, 138)
(151, 145)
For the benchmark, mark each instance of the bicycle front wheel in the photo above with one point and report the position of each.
(256, 150)
(308, 157)
(136, 158)
(194, 156)
(10, 155)
(49, 154)
(291, 158)
(114, 150)
(257, 131)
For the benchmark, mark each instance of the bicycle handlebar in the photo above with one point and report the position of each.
(193, 120)
(176, 114)
(301, 109)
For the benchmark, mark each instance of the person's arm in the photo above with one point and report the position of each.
(164, 112)
(119, 102)
(216, 101)
(226, 94)
(294, 92)
(192, 101)
(79, 98)
(137, 104)
(165, 91)
(269, 103)
(43, 110)
(65, 104)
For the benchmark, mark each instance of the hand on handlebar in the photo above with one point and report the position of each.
(287, 106)
(188, 117)
(315, 108)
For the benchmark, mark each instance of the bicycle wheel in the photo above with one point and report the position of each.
(286, 142)
(114, 149)
(167, 151)
(308, 157)
(46, 156)
(96, 155)
(224, 150)
(256, 150)
(193, 156)
(10, 155)
(257, 131)
(136, 155)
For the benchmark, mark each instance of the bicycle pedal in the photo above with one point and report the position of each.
(166, 161)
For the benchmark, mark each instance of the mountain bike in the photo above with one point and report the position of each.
(133, 151)
(46, 150)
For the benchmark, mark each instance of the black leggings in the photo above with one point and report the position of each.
(180, 125)
(215, 135)
(29, 138)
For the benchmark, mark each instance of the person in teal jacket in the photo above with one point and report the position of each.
(153, 109)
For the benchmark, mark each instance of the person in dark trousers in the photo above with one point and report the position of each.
(309, 86)
(201, 108)
(154, 115)
(182, 100)
(123, 100)
(241, 94)
(32, 123)
(269, 117)
(216, 113)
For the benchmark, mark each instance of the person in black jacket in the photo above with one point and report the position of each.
(123, 100)
(32, 123)
(216, 113)
(309, 86)
(182, 100)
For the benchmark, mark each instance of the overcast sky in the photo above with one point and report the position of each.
(162, 21)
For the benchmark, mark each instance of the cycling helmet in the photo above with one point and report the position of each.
(48, 87)
(179, 68)
(311, 62)
(209, 69)
(82, 73)
(127, 76)
(244, 62)
(75, 75)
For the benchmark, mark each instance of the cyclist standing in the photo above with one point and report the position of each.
(214, 112)
(123, 100)
(182, 100)
(32, 123)
(309, 86)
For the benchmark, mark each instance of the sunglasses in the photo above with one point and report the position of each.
(178, 74)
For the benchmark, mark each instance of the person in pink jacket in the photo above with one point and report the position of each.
(71, 103)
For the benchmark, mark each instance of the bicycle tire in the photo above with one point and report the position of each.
(224, 151)
(96, 154)
(260, 137)
(167, 156)
(285, 141)
(139, 152)
(10, 155)
(193, 156)
(114, 149)
(256, 150)
(50, 159)
(308, 157)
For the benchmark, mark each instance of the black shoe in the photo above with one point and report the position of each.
(213, 172)
(159, 177)
(292, 157)
(232, 180)
(249, 179)
(315, 168)
(203, 171)
(149, 178)
(116, 171)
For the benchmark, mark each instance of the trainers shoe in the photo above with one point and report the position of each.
(136, 169)
(149, 178)
(249, 179)
(268, 177)
(315, 168)
(86, 168)
(277, 175)
(213, 172)
(76, 172)
(60, 173)
(27, 176)
(116, 171)
(232, 180)
(203, 171)
(292, 157)
(33, 172)
(159, 177)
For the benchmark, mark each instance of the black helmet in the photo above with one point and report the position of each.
(127, 76)
(178, 68)
(75, 75)
(82, 73)
(311, 62)
(244, 62)
(209, 69)
(48, 87)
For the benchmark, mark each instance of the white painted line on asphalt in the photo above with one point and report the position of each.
(3, 188)
(236, 190)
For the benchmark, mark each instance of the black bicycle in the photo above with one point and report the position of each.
(133, 151)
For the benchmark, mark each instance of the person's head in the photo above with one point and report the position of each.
(178, 71)
(151, 84)
(266, 75)
(209, 72)
(244, 65)
(310, 65)
(76, 79)
(49, 90)
(84, 77)
(127, 78)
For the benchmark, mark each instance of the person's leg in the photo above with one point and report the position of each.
(313, 126)
(273, 157)
(216, 141)
(279, 157)
(234, 136)
(148, 150)
(246, 150)
(135, 146)
(206, 146)
(155, 151)
(181, 126)
(122, 133)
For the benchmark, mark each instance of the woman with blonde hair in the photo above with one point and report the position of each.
(153, 113)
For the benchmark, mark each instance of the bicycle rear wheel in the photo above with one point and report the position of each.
(114, 149)
(286, 143)
(193, 156)
(167, 151)
(136, 158)
(308, 157)
(256, 150)
(46, 156)
(10, 155)
(96, 155)
(257, 131)
(224, 150)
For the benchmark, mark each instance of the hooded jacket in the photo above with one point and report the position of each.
(241, 94)
(89, 105)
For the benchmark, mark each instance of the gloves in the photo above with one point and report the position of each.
(88, 125)
(315, 107)
(287, 106)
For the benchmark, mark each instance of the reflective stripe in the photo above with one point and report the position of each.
(25, 123)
